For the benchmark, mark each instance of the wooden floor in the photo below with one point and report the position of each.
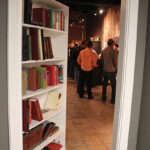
(89, 122)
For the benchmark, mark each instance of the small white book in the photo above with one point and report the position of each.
(53, 100)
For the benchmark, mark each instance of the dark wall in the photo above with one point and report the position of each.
(75, 33)
(93, 26)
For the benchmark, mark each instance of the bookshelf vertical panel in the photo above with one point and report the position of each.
(14, 37)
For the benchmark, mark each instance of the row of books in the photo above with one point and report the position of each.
(35, 46)
(38, 134)
(50, 18)
(41, 77)
(32, 111)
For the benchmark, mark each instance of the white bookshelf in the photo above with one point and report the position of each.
(59, 41)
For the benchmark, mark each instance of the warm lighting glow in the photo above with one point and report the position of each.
(101, 11)
(71, 25)
(95, 14)
(82, 20)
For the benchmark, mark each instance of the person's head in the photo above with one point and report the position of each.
(83, 44)
(110, 42)
(116, 47)
(89, 44)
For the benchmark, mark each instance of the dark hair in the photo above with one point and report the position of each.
(83, 42)
(89, 44)
(110, 41)
(116, 45)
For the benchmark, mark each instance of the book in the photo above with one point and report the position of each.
(53, 146)
(39, 16)
(34, 43)
(40, 50)
(25, 106)
(24, 81)
(25, 46)
(51, 18)
(47, 18)
(36, 110)
(50, 47)
(53, 100)
(43, 73)
(27, 11)
(32, 79)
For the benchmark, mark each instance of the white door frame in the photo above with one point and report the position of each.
(130, 73)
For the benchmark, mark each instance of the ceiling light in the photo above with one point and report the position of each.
(101, 11)
(95, 14)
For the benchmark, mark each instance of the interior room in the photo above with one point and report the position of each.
(62, 85)
(90, 122)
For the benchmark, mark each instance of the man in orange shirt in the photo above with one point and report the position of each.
(87, 60)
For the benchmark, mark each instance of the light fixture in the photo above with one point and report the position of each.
(82, 20)
(101, 11)
(95, 14)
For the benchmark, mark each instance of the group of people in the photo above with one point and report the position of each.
(87, 59)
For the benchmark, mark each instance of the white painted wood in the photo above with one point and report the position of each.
(41, 91)
(46, 116)
(53, 32)
(14, 37)
(130, 74)
(43, 61)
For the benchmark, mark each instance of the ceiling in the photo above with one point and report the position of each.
(80, 8)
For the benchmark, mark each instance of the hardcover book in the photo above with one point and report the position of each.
(53, 100)
(36, 110)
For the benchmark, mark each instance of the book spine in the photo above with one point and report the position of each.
(40, 51)
(51, 18)
(25, 115)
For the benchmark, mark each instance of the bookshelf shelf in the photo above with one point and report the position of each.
(46, 116)
(43, 61)
(53, 32)
(41, 91)
(50, 139)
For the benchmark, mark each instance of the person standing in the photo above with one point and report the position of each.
(81, 47)
(87, 60)
(110, 62)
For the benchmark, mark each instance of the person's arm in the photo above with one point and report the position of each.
(116, 60)
(94, 60)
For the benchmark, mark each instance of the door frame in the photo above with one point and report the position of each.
(130, 73)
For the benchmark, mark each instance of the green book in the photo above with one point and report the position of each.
(43, 73)
(51, 18)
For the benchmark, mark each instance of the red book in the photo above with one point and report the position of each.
(50, 47)
(61, 21)
(30, 109)
(47, 18)
(39, 16)
(54, 146)
(56, 75)
(51, 72)
(32, 79)
(34, 43)
(25, 105)
(36, 110)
